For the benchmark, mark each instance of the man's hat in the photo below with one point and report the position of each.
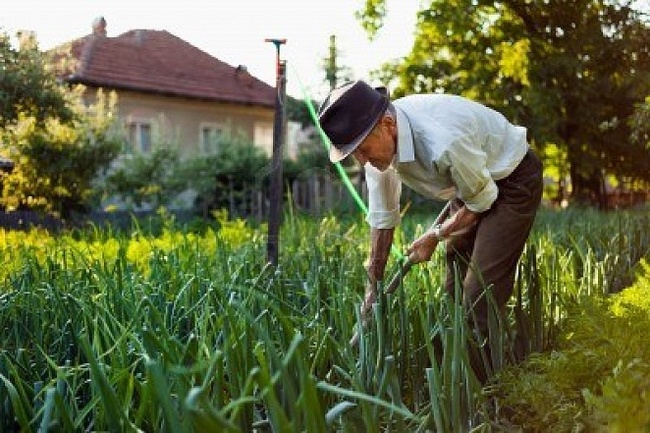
(348, 115)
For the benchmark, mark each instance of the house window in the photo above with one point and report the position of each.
(211, 136)
(263, 136)
(139, 136)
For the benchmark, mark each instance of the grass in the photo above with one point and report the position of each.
(192, 331)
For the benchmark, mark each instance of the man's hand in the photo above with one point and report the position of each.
(422, 248)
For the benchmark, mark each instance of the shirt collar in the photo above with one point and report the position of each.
(405, 150)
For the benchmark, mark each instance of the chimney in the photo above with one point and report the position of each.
(242, 74)
(99, 26)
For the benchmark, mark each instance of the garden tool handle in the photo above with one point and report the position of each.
(406, 266)
(408, 263)
(399, 276)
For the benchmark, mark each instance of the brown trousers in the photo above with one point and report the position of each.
(487, 255)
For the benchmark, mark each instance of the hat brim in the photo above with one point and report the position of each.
(339, 152)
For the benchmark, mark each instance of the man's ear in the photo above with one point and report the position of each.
(388, 121)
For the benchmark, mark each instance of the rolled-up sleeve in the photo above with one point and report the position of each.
(384, 191)
(469, 172)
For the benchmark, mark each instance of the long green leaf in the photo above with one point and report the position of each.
(324, 386)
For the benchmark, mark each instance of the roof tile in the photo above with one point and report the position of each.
(157, 61)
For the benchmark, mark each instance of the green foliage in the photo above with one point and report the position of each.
(372, 16)
(184, 331)
(640, 124)
(297, 111)
(556, 169)
(150, 179)
(597, 377)
(58, 146)
(55, 162)
(226, 177)
(640, 141)
(623, 405)
(571, 71)
(514, 61)
(222, 180)
(27, 87)
(315, 158)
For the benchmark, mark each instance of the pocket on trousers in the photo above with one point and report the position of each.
(515, 192)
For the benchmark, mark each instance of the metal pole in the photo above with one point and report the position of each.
(275, 195)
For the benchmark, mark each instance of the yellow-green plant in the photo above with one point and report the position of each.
(177, 330)
(598, 375)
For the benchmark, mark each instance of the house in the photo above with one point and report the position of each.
(170, 92)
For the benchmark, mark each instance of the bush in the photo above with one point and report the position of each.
(599, 376)
(56, 162)
(226, 178)
(146, 179)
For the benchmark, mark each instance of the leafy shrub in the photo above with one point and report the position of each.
(623, 403)
(225, 178)
(56, 162)
(146, 178)
(599, 376)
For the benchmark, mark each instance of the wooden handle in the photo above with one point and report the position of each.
(406, 266)
(399, 276)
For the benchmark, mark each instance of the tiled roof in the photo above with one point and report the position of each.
(155, 61)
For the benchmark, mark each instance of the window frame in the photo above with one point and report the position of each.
(218, 132)
(135, 128)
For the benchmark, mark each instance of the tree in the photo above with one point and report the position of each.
(297, 111)
(27, 87)
(640, 125)
(56, 162)
(57, 144)
(335, 74)
(571, 70)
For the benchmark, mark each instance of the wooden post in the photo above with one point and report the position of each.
(275, 194)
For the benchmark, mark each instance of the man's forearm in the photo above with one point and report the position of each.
(381, 241)
(459, 221)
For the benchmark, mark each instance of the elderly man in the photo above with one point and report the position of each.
(443, 147)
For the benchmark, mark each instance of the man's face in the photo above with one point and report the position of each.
(378, 148)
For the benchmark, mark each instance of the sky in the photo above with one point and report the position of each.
(234, 31)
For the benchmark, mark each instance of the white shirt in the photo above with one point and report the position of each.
(447, 146)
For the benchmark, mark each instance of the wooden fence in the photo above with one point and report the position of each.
(26, 219)
(315, 193)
